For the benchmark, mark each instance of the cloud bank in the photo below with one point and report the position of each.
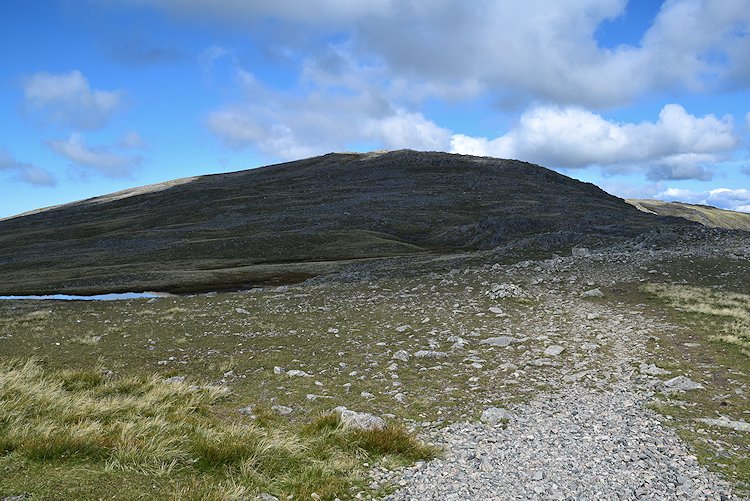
(108, 161)
(541, 50)
(725, 198)
(25, 172)
(67, 100)
(677, 145)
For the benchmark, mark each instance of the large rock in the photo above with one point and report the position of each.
(681, 383)
(501, 341)
(495, 415)
(359, 420)
(653, 370)
(725, 422)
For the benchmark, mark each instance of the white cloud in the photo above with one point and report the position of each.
(677, 146)
(67, 99)
(291, 127)
(132, 140)
(104, 160)
(737, 199)
(538, 48)
(24, 171)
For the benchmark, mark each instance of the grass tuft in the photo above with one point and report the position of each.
(82, 421)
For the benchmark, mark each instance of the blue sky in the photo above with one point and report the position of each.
(644, 98)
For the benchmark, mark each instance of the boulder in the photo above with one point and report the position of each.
(495, 415)
(501, 341)
(359, 420)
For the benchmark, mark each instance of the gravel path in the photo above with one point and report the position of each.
(591, 439)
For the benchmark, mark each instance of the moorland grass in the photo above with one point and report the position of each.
(85, 423)
(733, 308)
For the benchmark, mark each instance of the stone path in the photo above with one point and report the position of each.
(592, 439)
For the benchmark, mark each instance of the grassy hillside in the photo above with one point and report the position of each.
(291, 221)
(703, 214)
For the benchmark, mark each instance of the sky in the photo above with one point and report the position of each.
(645, 98)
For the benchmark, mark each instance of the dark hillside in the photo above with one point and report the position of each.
(280, 223)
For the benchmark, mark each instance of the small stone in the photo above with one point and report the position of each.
(242, 311)
(282, 410)
(267, 497)
(430, 354)
(175, 380)
(278, 370)
(554, 350)
(312, 396)
(403, 328)
(593, 293)
(247, 410)
(401, 355)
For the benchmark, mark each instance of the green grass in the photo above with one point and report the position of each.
(165, 439)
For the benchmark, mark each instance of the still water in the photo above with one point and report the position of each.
(99, 297)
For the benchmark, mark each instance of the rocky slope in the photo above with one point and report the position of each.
(706, 215)
(288, 222)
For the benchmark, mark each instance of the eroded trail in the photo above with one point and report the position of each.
(591, 437)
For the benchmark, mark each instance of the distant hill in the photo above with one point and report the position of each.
(703, 214)
(290, 221)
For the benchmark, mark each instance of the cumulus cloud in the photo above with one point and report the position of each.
(289, 127)
(726, 198)
(539, 49)
(107, 161)
(67, 99)
(677, 145)
(24, 171)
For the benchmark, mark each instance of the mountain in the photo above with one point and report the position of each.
(291, 221)
(703, 214)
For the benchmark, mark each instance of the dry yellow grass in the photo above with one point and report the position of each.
(732, 307)
(150, 427)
